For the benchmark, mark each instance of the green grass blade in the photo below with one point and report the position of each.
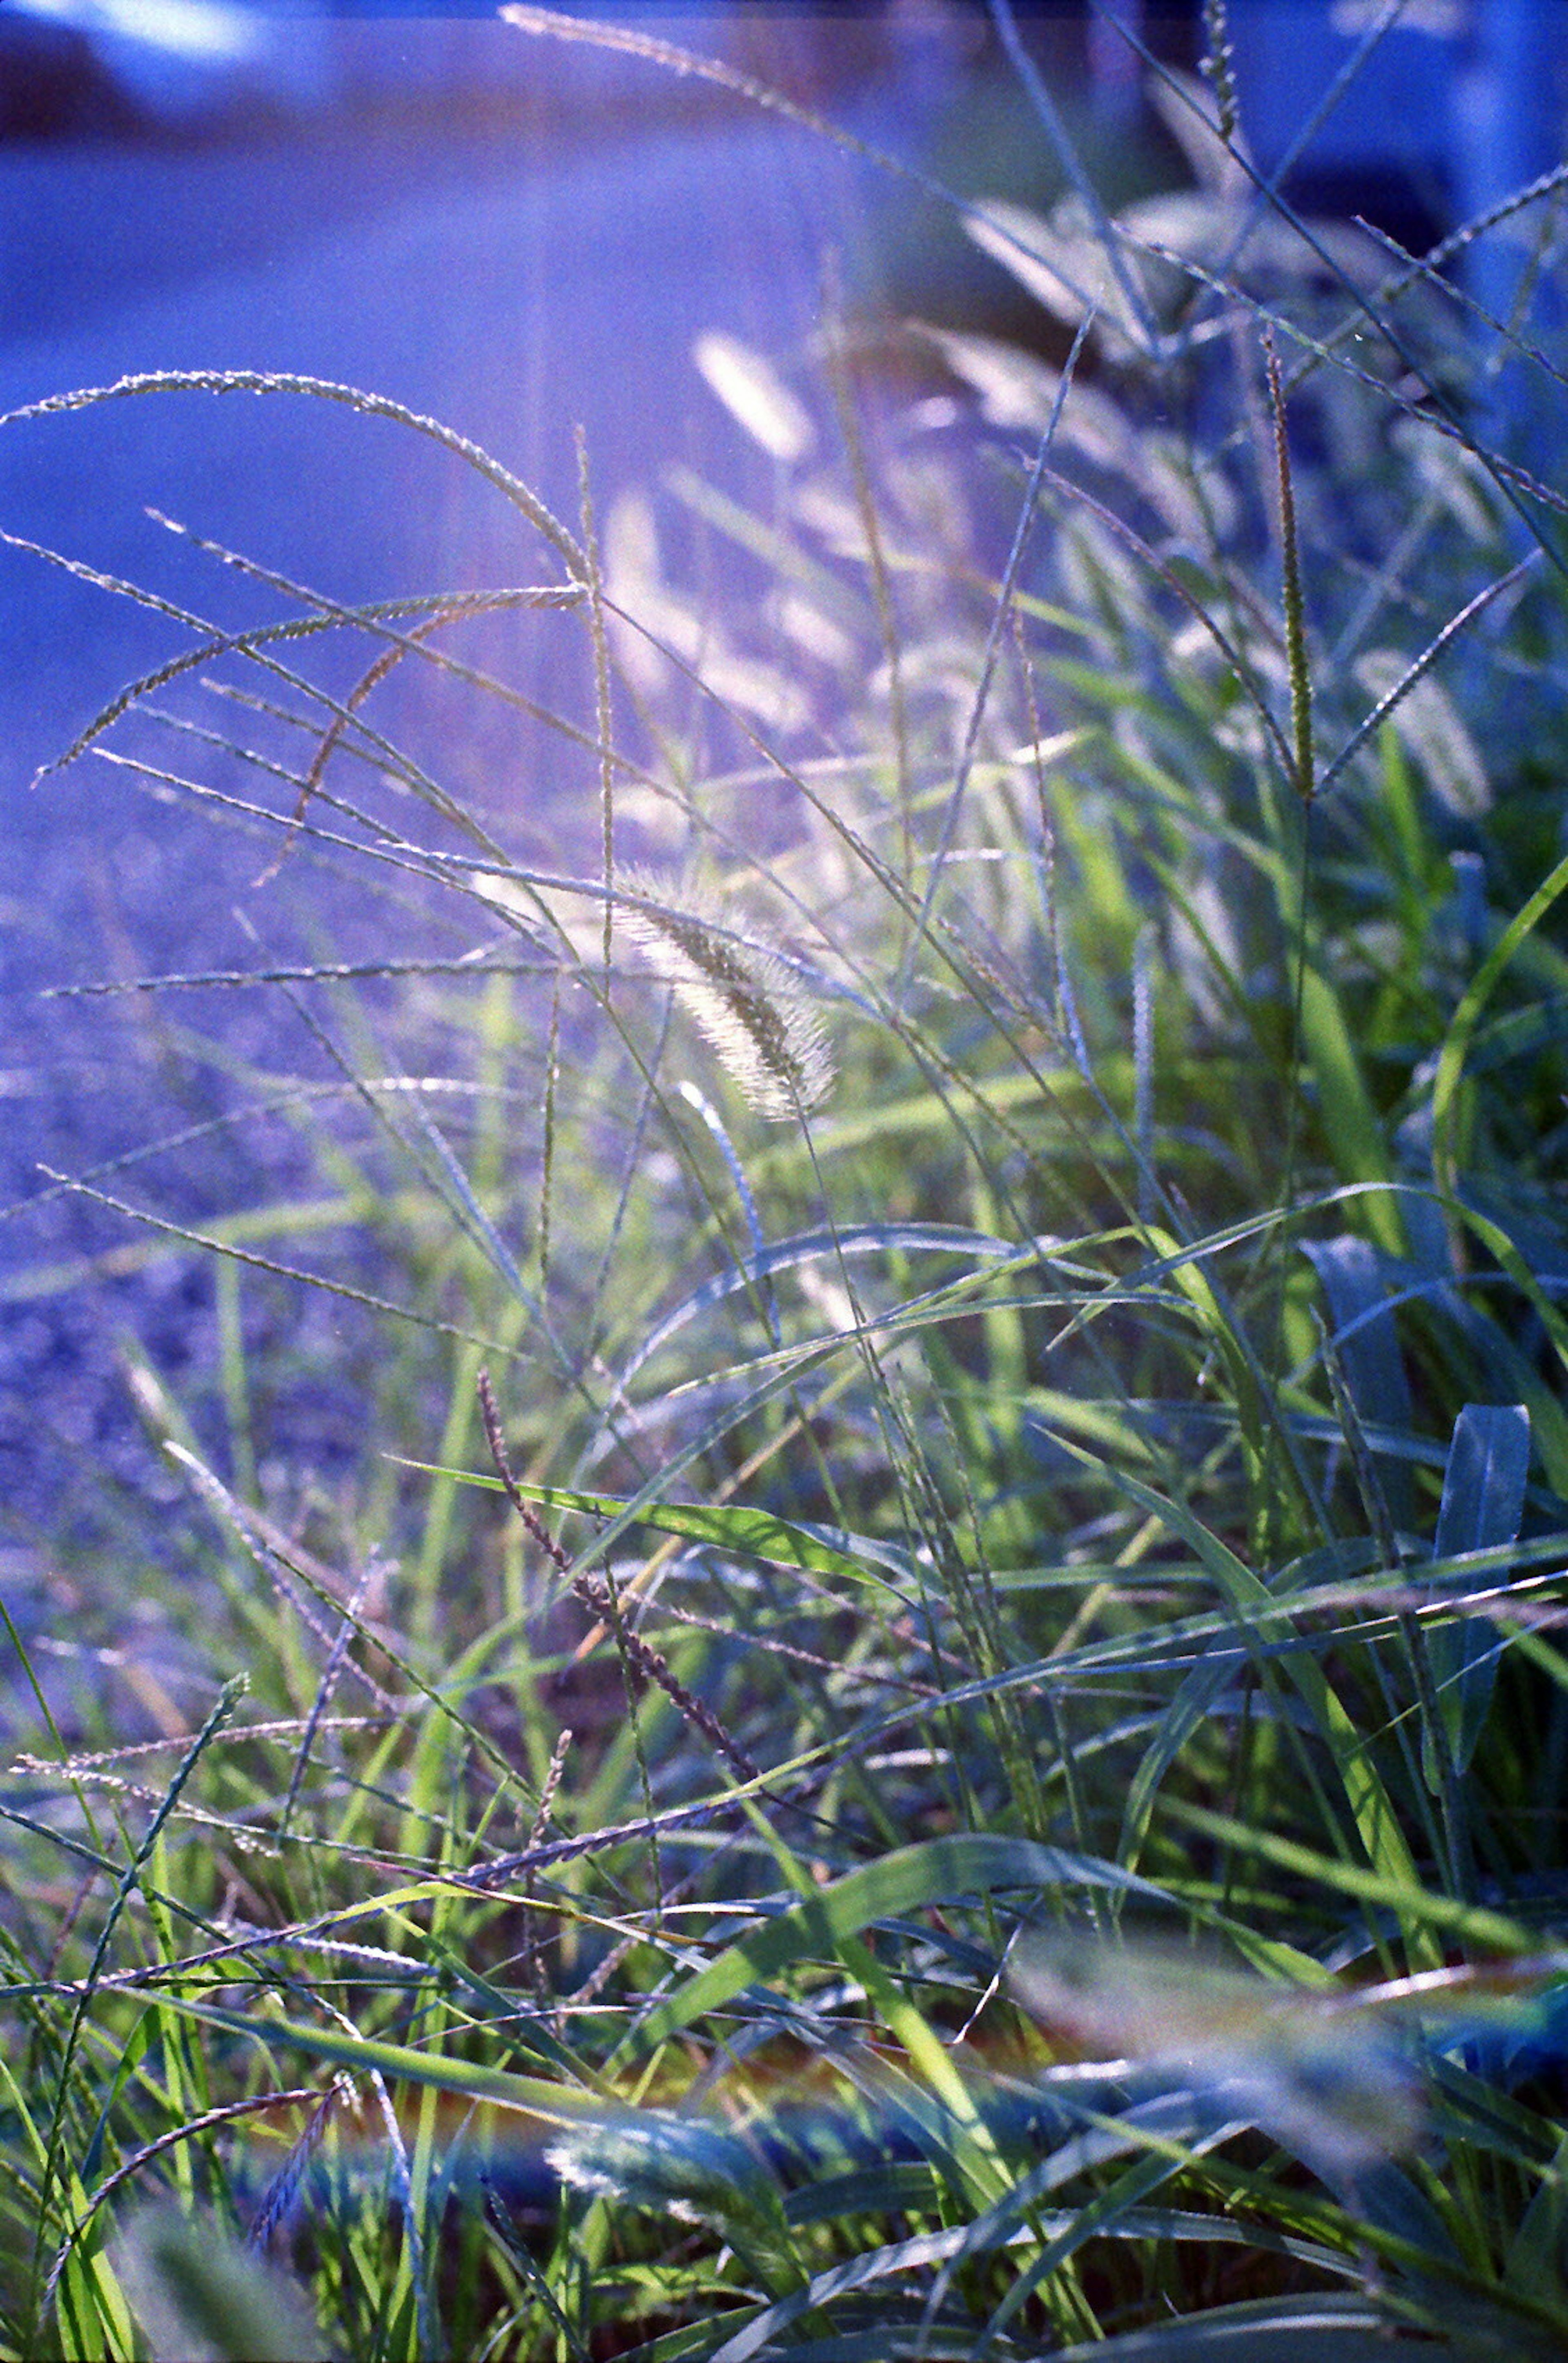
(1483, 1505)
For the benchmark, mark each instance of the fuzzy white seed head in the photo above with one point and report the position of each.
(746, 1001)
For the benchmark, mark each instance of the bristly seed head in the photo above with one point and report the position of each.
(744, 999)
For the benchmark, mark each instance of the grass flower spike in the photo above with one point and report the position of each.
(743, 997)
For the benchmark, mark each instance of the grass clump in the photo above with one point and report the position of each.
(958, 1753)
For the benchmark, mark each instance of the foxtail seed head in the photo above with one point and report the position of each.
(744, 999)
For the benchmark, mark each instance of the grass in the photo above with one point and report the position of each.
(918, 1710)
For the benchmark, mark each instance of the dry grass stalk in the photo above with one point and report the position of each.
(601, 1604)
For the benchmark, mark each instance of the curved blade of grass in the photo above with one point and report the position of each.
(806, 1246)
(1352, 1281)
(549, 2106)
(756, 2335)
(1358, 1298)
(1287, 2330)
(937, 1870)
(1542, 1396)
(1483, 1505)
(1102, 2216)
(728, 1526)
(1416, 1907)
(1352, 1131)
(1456, 1043)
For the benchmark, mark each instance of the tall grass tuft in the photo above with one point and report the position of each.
(978, 1771)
